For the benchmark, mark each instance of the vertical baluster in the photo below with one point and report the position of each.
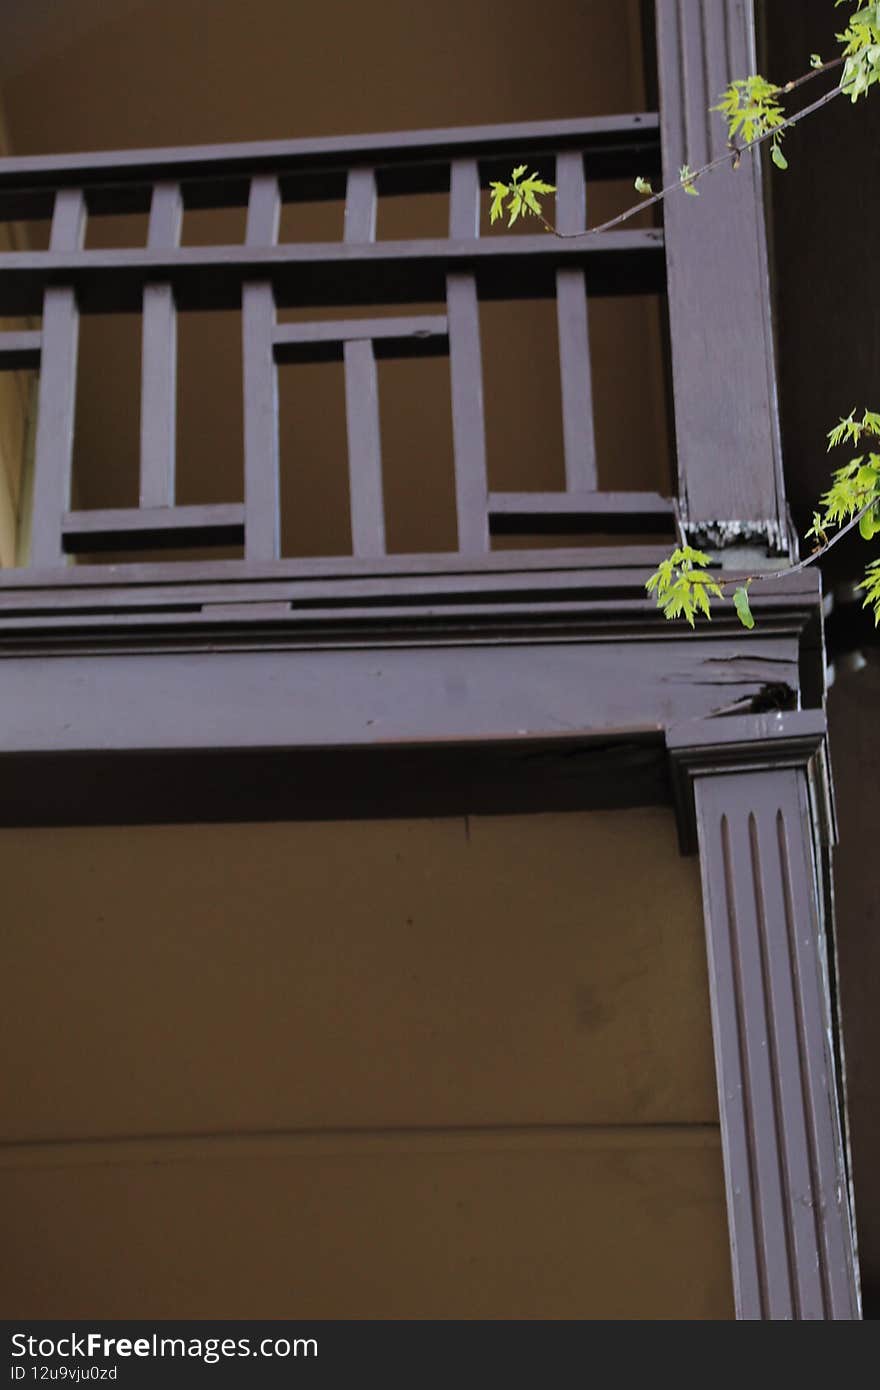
(159, 358)
(574, 349)
(362, 393)
(53, 460)
(465, 368)
(261, 464)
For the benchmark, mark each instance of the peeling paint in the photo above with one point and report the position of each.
(769, 536)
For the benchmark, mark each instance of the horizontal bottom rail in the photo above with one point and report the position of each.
(552, 513)
(152, 528)
(20, 350)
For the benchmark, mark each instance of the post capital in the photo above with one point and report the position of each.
(758, 743)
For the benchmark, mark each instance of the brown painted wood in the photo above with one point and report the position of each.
(220, 175)
(466, 368)
(20, 350)
(261, 453)
(543, 513)
(159, 358)
(329, 273)
(626, 560)
(149, 527)
(529, 576)
(578, 434)
(362, 391)
(756, 789)
(723, 369)
(53, 459)
(360, 206)
(364, 449)
(416, 336)
(259, 695)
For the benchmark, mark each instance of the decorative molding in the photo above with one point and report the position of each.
(749, 743)
(753, 794)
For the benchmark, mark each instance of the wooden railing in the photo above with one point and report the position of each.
(261, 276)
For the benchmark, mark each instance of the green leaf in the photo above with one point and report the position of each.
(499, 193)
(643, 185)
(519, 171)
(778, 157)
(686, 177)
(868, 526)
(743, 611)
(815, 61)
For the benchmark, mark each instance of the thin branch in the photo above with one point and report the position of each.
(813, 72)
(734, 154)
(810, 559)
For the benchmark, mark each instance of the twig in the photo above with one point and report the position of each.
(800, 564)
(732, 154)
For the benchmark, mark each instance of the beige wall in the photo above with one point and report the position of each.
(375, 1069)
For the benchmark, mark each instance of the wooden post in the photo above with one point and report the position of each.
(723, 368)
(753, 797)
(466, 368)
(574, 347)
(261, 454)
(53, 455)
(159, 358)
(362, 392)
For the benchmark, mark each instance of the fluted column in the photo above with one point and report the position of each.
(753, 798)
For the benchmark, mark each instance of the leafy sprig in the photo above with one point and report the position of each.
(752, 110)
(523, 192)
(860, 41)
(682, 585)
(683, 589)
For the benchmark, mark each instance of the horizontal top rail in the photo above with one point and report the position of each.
(219, 175)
